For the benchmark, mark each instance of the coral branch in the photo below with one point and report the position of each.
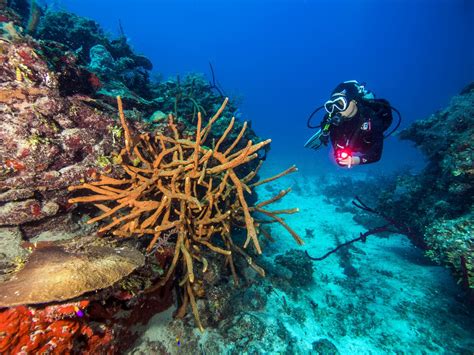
(397, 228)
(128, 137)
(287, 171)
(176, 186)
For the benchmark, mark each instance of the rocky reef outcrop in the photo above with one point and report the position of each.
(47, 141)
(438, 202)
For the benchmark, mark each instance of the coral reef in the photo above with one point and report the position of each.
(48, 142)
(185, 189)
(450, 242)
(83, 325)
(63, 271)
(180, 186)
(55, 329)
(292, 271)
(446, 139)
(77, 33)
(442, 196)
(324, 347)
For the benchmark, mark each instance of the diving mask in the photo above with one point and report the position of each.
(337, 104)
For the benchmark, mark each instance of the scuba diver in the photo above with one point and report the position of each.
(355, 122)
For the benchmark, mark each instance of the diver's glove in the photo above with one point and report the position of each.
(317, 139)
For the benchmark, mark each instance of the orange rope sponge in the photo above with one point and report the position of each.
(180, 185)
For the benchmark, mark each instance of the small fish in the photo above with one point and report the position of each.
(78, 311)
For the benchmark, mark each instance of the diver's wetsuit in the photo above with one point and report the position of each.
(363, 133)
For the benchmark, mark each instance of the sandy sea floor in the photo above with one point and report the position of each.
(377, 297)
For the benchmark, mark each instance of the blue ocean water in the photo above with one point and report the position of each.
(284, 57)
